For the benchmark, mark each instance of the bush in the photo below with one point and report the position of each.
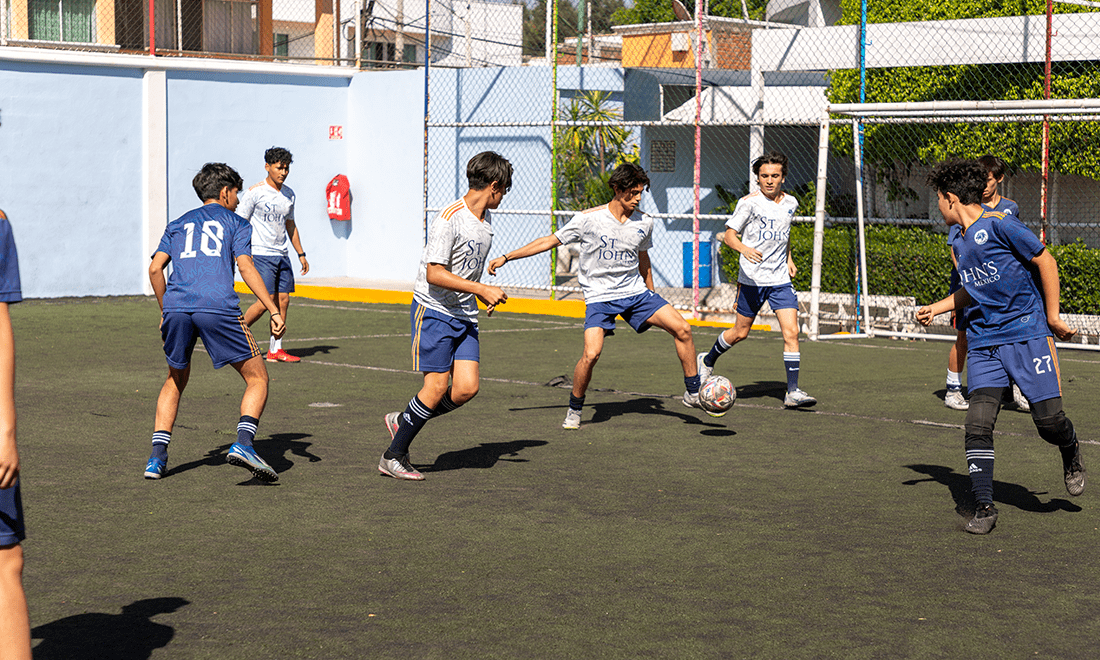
(915, 261)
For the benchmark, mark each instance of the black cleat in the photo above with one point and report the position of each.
(985, 518)
(1075, 472)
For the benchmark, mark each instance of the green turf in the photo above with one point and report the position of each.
(653, 531)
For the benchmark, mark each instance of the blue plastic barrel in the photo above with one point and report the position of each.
(704, 263)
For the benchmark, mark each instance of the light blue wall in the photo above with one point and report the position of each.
(235, 117)
(70, 177)
(385, 143)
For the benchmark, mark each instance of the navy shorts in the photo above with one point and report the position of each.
(277, 273)
(751, 298)
(226, 338)
(438, 340)
(11, 516)
(635, 310)
(1033, 365)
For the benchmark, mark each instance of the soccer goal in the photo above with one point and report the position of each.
(897, 236)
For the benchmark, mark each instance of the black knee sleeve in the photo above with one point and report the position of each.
(981, 417)
(1052, 423)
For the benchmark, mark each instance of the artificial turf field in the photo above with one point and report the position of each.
(653, 531)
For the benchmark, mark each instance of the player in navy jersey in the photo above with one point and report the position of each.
(617, 280)
(956, 358)
(443, 316)
(198, 300)
(15, 625)
(1009, 322)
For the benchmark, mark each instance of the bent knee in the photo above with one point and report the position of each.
(463, 395)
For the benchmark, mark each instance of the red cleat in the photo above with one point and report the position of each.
(282, 356)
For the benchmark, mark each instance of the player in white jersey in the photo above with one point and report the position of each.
(445, 344)
(760, 230)
(269, 208)
(617, 281)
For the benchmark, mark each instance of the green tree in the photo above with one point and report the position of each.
(660, 11)
(534, 23)
(587, 153)
(893, 148)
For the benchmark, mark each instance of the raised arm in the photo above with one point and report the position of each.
(537, 246)
(958, 300)
(1051, 290)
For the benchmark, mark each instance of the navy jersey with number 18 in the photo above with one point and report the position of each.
(203, 245)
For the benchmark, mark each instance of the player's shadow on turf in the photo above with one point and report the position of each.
(606, 411)
(132, 635)
(1003, 492)
(275, 449)
(483, 456)
(763, 389)
(304, 352)
(271, 450)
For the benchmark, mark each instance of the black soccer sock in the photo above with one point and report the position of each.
(576, 402)
(446, 405)
(692, 384)
(716, 351)
(246, 430)
(160, 444)
(414, 418)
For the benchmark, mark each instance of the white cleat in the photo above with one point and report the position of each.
(704, 370)
(955, 400)
(572, 419)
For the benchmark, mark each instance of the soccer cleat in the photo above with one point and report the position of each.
(399, 468)
(247, 458)
(985, 518)
(1074, 472)
(692, 400)
(282, 356)
(704, 370)
(156, 468)
(1019, 398)
(955, 400)
(572, 419)
(797, 398)
(393, 421)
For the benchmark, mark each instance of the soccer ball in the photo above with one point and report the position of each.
(717, 395)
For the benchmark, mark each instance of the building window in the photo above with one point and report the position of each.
(662, 156)
(410, 53)
(379, 51)
(282, 44)
(62, 20)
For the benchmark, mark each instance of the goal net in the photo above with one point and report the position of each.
(872, 271)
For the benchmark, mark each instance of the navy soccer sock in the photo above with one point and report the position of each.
(160, 444)
(791, 363)
(692, 384)
(979, 462)
(716, 351)
(246, 430)
(446, 405)
(576, 402)
(414, 418)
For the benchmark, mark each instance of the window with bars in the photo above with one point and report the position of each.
(62, 20)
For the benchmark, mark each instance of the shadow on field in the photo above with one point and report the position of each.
(1003, 492)
(606, 411)
(272, 450)
(763, 389)
(482, 457)
(310, 351)
(131, 635)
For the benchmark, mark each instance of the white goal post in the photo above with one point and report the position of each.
(891, 323)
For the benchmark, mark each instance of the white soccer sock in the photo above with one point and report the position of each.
(954, 380)
(276, 345)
